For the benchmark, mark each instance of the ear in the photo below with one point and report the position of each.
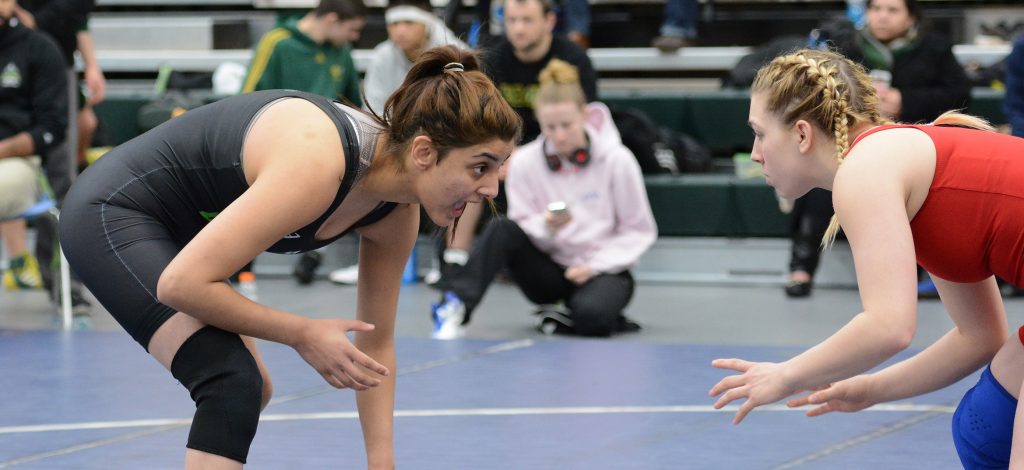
(551, 20)
(423, 153)
(805, 135)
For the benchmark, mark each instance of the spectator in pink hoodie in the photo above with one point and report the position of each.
(578, 220)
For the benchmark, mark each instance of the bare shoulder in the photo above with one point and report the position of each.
(888, 167)
(291, 131)
(902, 156)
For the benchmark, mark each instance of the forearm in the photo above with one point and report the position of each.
(951, 358)
(863, 343)
(17, 145)
(87, 50)
(377, 405)
(217, 304)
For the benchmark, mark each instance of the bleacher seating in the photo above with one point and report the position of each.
(198, 35)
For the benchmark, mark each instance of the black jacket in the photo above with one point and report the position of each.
(930, 79)
(61, 19)
(33, 87)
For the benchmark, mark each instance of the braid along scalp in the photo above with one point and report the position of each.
(825, 89)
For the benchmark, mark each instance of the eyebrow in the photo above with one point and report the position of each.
(489, 155)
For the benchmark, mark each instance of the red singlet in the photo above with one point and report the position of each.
(971, 225)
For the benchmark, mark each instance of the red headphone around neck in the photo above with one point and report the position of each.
(578, 157)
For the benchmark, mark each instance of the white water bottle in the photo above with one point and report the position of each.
(247, 285)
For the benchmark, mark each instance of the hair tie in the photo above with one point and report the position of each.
(454, 67)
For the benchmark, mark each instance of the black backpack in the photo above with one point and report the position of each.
(657, 149)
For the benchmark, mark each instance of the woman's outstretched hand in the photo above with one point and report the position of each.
(759, 382)
(848, 396)
(324, 345)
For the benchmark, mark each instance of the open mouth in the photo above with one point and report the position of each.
(459, 208)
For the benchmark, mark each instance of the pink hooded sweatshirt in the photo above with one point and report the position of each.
(612, 224)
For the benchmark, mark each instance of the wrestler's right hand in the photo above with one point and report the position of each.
(323, 344)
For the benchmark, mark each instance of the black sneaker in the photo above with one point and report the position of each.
(305, 269)
(625, 325)
(797, 289)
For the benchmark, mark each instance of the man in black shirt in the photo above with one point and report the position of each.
(529, 44)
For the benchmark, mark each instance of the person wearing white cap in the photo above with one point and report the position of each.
(412, 29)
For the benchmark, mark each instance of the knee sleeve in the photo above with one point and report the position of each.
(983, 425)
(225, 383)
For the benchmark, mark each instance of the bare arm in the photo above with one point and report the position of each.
(292, 160)
(283, 197)
(17, 145)
(383, 251)
(94, 78)
(870, 203)
(980, 331)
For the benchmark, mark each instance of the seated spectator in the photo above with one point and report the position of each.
(678, 26)
(578, 219)
(529, 44)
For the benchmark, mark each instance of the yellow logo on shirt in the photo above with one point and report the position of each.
(519, 95)
(336, 72)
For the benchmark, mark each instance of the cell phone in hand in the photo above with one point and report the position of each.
(558, 208)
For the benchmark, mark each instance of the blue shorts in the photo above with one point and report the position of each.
(983, 425)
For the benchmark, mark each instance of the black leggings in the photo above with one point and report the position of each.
(596, 305)
(810, 218)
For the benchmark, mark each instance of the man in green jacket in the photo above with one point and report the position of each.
(312, 54)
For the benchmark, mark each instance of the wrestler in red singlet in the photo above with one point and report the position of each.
(971, 226)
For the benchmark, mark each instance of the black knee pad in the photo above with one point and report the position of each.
(225, 382)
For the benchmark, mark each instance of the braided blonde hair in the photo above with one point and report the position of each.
(833, 93)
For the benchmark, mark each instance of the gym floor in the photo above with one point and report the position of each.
(506, 396)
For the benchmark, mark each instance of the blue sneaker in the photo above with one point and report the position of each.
(926, 289)
(448, 316)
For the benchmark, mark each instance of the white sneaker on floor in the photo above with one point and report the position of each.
(432, 276)
(448, 317)
(348, 275)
